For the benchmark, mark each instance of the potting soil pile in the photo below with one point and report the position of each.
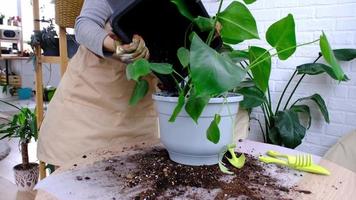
(150, 174)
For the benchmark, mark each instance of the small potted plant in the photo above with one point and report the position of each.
(2, 16)
(208, 94)
(4, 91)
(23, 126)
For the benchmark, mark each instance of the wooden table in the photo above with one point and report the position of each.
(340, 184)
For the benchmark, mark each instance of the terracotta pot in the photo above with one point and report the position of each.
(26, 177)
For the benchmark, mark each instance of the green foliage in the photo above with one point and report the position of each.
(261, 71)
(215, 72)
(281, 35)
(213, 132)
(140, 91)
(23, 125)
(330, 58)
(238, 24)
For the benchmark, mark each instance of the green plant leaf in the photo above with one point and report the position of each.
(330, 57)
(140, 91)
(138, 69)
(320, 103)
(289, 128)
(304, 109)
(318, 68)
(183, 56)
(178, 108)
(311, 68)
(262, 71)
(238, 24)
(274, 136)
(345, 54)
(183, 9)
(213, 132)
(161, 68)
(204, 24)
(195, 105)
(238, 56)
(249, 1)
(281, 36)
(253, 97)
(224, 169)
(211, 73)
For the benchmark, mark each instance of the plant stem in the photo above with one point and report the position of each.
(180, 76)
(285, 89)
(248, 73)
(24, 153)
(263, 133)
(212, 32)
(284, 50)
(269, 100)
(296, 86)
(12, 105)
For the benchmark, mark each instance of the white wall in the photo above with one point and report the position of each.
(338, 19)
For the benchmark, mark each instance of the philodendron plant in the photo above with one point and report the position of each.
(218, 72)
(283, 126)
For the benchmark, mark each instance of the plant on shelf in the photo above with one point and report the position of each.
(23, 126)
(2, 16)
(47, 38)
(285, 125)
(217, 75)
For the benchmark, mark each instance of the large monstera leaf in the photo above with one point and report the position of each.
(211, 73)
(261, 69)
(238, 24)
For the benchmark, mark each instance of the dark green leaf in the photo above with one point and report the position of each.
(304, 109)
(311, 68)
(253, 97)
(213, 132)
(211, 73)
(195, 105)
(183, 9)
(345, 54)
(330, 58)
(238, 24)
(262, 71)
(161, 68)
(281, 35)
(140, 91)
(204, 24)
(183, 56)
(138, 69)
(178, 108)
(274, 136)
(318, 68)
(321, 104)
(289, 128)
(249, 1)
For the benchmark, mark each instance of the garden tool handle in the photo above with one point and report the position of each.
(271, 160)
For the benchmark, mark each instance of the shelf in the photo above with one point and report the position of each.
(51, 59)
(13, 57)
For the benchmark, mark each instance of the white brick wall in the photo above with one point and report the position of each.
(338, 19)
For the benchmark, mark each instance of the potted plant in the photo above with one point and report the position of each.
(23, 126)
(208, 93)
(2, 16)
(284, 124)
(4, 91)
(48, 40)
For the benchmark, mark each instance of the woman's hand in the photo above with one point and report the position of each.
(128, 53)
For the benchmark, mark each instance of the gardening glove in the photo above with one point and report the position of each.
(128, 53)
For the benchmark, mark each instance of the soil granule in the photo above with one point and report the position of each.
(163, 177)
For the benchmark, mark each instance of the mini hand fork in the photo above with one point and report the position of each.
(295, 161)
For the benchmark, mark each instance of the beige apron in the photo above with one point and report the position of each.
(90, 110)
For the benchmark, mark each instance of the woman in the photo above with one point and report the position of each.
(90, 108)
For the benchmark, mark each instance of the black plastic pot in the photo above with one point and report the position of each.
(1, 21)
(161, 25)
(53, 50)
